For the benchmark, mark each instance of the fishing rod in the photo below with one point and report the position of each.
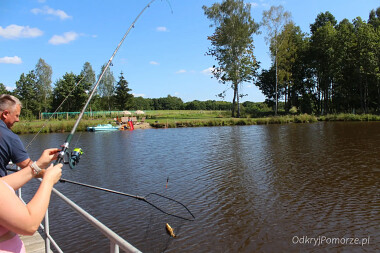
(145, 199)
(66, 144)
(74, 161)
(56, 110)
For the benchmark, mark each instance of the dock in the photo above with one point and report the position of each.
(34, 243)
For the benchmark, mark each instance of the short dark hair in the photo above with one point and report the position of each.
(8, 102)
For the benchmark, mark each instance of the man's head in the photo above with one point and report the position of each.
(10, 109)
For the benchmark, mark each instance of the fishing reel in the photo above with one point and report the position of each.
(73, 158)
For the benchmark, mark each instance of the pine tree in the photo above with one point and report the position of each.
(124, 100)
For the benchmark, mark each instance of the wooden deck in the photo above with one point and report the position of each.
(34, 243)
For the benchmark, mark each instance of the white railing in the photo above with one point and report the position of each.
(116, 242)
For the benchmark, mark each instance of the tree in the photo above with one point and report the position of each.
(345, 92)
(366, 43)
(288, 56)
(3, 89)
(88, 81)
(195, 105)
(26, 90)
(142, 103)
(274, 21)
(62, 89)
(374, 20)
(323, 41)
(43, 74)
(171, 103)
(232, 44)
(106, 85)
(88, 75)
(321, 20)
(267, 85)
(123, 99)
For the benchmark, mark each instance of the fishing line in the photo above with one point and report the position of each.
(44, 125)
(170, 6)
(66, 144)
(145, 199)
(56, 110)
(76, 143)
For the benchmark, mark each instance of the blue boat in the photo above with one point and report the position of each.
(105, 127)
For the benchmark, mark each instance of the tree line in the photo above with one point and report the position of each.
(334, 69)
(37, 95)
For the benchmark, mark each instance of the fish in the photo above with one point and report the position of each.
(170, 230)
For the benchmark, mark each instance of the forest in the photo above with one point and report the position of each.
(335, 69)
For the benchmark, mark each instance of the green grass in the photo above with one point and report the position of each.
(186, 114)
(227, 121)
(55, 126)
(350, 117)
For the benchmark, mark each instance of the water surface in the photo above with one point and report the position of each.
(251, 188)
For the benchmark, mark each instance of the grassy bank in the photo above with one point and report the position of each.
(172, 119)
(233, 121)
(349, 117)
(55, 126)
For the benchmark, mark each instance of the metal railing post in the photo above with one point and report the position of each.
(114, 247)
(115, 240)
(47, 232)
(112, 236)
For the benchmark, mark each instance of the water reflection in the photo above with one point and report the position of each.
(251, 188)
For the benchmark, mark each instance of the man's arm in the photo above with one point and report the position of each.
(24, 163)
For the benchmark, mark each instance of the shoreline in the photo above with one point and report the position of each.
(62, 126)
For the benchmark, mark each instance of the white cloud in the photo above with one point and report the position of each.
(254, 5)
(16, 31)
(46, 10)
(153, 63)
(208, 71)
(139, 95)
(162, 29)
(63, 39)
(181, 71)
(11, 60)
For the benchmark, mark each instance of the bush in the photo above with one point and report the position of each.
(305, 118)
(293, 110)
(257, 109)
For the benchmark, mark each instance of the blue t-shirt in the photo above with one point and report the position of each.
(11, 148)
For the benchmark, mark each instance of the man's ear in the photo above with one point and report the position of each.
(4, 114)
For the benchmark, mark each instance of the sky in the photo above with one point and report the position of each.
(164, 54)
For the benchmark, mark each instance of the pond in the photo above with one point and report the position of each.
(266, 188)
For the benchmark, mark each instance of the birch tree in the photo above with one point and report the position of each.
(232, 45)
(274, 21)
(43, 72)
(106, 85)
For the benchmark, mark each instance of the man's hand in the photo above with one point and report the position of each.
(47, 157)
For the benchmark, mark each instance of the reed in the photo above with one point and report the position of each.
(350, 117)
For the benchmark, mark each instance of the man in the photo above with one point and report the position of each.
(11, 147)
